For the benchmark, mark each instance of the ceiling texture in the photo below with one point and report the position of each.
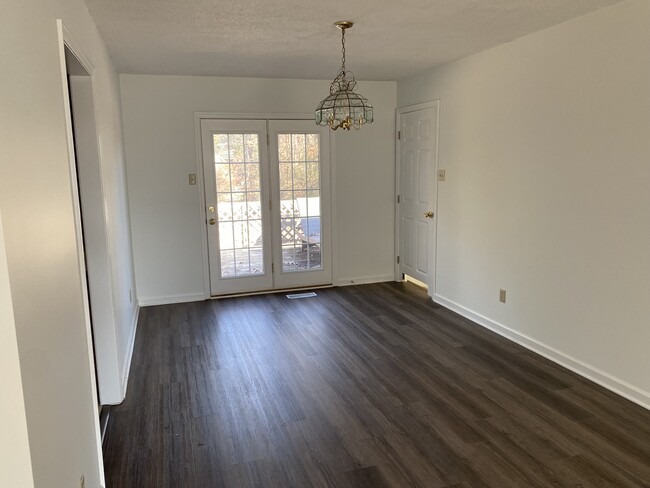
(391, 39)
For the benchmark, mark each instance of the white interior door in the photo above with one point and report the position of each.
(300, 180)
(267, 204)
(235, 159)
(417, 187)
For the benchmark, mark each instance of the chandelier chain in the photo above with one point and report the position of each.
(343, 50)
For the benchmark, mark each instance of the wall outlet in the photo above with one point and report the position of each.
(502, 295)
(441, 174)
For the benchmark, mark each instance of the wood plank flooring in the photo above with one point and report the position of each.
(367, 386)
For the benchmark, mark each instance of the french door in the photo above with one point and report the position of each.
(267, 189)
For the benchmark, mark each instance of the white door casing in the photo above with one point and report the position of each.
(416, 187)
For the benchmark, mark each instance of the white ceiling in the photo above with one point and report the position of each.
(391, 39)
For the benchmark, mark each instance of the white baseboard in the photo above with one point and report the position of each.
(588, 371)
(129, 351)
(362, 280)
(167, 300)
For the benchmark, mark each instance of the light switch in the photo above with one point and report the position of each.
(441, 175)
(192, 178)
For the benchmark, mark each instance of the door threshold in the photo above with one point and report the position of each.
(268, 292)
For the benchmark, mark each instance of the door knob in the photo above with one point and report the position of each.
(212, 221)
(429, 214)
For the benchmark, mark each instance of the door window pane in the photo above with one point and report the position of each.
(313, 150)
(251, 148)
(238, 176)
(286, 180)
(297, 147)
(227, 264)
(313, 175)
(284, 147)
(300, 224)
(224, 206)
(252, 177)
(222, 173)
(299, 176)
(236, 148)
(221, 148)
(239, 205)
(253, 205)
(226, 240)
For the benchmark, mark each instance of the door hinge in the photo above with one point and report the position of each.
(397, 259)
(399, 135)
(268, 139)
(272, 268)
(398, 199)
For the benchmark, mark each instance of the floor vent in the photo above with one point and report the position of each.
(293, 296)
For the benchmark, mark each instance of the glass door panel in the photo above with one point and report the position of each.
(239, 204)
(300, 192)
(238, 247)
(299, 170)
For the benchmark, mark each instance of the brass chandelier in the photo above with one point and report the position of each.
(343, 107)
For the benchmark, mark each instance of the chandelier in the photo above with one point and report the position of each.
(343, 107)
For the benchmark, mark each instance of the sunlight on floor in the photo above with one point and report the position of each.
(415, 281)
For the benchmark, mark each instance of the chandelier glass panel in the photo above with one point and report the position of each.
(343, 107)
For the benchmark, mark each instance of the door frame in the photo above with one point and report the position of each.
(67, 42)
(433, 233)
(198, 117)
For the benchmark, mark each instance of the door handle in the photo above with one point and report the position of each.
(429, 214)
(212, 221)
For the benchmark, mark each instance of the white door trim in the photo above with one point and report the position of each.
(398, 124)
(258, 115)
(198, 117)
(66, 40)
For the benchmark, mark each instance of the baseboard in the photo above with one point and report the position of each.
(588, 371)
(167, 300)
(129, 351)
(362, 280)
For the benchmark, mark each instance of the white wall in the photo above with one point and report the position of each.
(545, 142)
(15, 461)
(36, 197)
(161, 151)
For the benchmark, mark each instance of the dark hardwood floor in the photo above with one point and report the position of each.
(365, 386)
